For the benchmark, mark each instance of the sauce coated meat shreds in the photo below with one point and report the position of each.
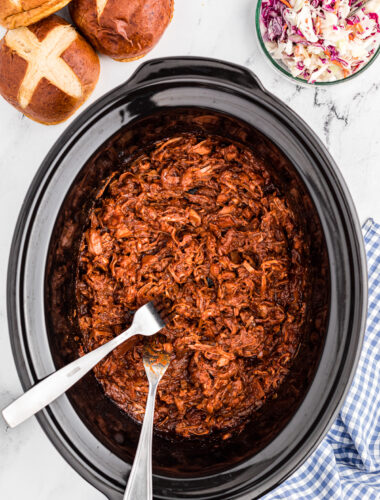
(197, 225)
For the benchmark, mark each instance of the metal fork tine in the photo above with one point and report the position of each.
(147, 321)
(160, 308)
(140, 479)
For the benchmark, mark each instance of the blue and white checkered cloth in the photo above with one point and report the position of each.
(346, 465)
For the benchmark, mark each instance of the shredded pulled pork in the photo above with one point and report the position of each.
(197, 225)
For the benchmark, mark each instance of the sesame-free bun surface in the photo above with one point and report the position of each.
(15, 13)
(122, 29)
(47, 70)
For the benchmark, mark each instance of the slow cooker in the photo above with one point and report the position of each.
(90, 432)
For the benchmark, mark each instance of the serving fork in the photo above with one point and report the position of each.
(140, 480)
(146, 321)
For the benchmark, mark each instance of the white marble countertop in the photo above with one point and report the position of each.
(346, 118)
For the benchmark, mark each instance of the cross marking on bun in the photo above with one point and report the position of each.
(44, 60)
(17, 3)
(100, 4)
(17, 13)
(47, 70)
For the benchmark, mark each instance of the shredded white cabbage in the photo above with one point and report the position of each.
(317, 40)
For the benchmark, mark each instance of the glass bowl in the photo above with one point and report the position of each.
(281, 68)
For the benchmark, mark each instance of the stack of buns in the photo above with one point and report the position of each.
(47, 69)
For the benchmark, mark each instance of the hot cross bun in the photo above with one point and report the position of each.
(47, 70)
(122, 29)
(15, 13)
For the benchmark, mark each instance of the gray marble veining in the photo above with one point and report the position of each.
(346, 118)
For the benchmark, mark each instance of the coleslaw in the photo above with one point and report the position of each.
(318, 40)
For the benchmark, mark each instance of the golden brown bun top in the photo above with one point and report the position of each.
(15, 13)
(122, 29)
(42, 28)
(47, 70)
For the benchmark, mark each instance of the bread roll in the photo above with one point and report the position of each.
(47, 70)
(15, 13)
(122, 29)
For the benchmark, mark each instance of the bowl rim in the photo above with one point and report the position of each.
(295, 79)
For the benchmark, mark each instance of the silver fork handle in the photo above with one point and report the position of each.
(140, 479)
(58, 382)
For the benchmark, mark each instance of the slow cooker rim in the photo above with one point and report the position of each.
(25, 221)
